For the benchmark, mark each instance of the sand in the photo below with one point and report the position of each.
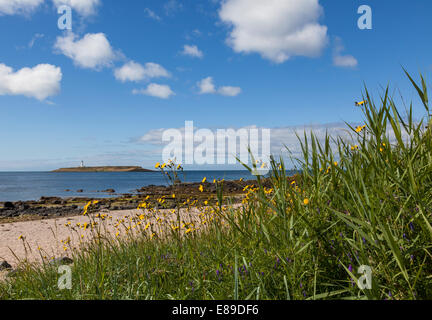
(40, 240)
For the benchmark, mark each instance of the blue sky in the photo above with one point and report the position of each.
(93, 110)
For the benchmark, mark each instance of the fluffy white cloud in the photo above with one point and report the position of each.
(133, 71)
(345, 61)
(276, 29)
(230, 91)
(339, 60)
(38, 82)
(192, 51)
(207, 86)
(83, 7)
(156, 90)
(11, 7)
(93, 51)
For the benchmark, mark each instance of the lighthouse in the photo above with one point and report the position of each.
(82, 164)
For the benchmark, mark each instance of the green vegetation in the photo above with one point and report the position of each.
(360, 202)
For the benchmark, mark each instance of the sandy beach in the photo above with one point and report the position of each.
(40, 240)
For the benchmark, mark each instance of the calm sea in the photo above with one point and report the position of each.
(22, 186)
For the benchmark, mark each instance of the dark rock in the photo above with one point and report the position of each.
(5, 266)
(80, 191)
(23, 206)
(12, 214)
(9, 205)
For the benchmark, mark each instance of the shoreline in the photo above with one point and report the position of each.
(52, 227)
(56, 207)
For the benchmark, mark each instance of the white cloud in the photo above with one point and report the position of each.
(11, 7)
(40, 82)
(230, 91)
(93, 51)
(133, 71)
(276, 29)
(279, 137)
(83, 7)
(156, 90)
(345, 61)
(207, 86)
(192, 51)
(151, 14)
(339, 60)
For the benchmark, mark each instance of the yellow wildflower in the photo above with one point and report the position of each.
(360, 129)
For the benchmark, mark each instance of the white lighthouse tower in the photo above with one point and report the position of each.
(82, 164)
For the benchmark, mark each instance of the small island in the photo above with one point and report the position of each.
(104, 169)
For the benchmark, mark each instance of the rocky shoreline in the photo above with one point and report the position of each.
(52, 207)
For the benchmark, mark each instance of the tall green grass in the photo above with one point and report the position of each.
(359, 201)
